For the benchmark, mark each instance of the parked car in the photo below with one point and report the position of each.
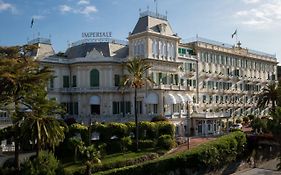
(236, 126)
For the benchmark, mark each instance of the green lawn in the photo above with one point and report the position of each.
(109, 159)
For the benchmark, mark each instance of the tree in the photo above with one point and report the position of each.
(274, 125)
(19, 75)
(136, 78)
(90, 156)
(41, 120)
(268, 95)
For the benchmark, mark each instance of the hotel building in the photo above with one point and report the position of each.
(198, 83)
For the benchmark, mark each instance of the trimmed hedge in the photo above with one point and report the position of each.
(166, 142)
(199, 160)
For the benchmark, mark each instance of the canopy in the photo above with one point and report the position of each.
(152, 98)
(95, 100)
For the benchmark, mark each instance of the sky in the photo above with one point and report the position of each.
(258, 22)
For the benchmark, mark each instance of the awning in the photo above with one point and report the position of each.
(152, 98)
(188, 98)
(170, 99)
(95, 100)
(184, 98)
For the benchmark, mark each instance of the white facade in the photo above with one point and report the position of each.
(197, 84)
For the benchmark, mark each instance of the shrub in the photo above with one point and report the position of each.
(131, 127)
(238, 121)
(165, 128)
(114, 146)
(166, 142)
(147, 130)
(159, 119)
(126, 143)
(251, 117)
(246, 120)
(118, 129)
(143, 144)
(199, 160)
(45, 163)
(105, 133)
(259, 124)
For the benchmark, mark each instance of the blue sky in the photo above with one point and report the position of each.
(258, 21)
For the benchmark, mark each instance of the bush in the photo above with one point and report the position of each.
(147, 130)
(131, 127)
(259, 124)
(199, 160)
(45, 163)
(251, 117)
(126, 143)
(166, 128)
(159, 119)
(117, 129)
(246, 120)
(166, 142)
(144, 144)
(238, 121)
(114, 146)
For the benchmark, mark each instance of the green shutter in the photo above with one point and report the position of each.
(94, 78)
(74, 82)
(65, 81)
(116, 80)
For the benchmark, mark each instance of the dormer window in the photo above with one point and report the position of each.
(162, 27)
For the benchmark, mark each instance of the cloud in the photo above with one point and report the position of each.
(251, 1)
(265, 15)
(65, 8)
(7, 6)
(88, 10)
(83, 2)
(85, 10)
(38, 17)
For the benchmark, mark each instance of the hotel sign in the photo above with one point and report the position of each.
(96, 34)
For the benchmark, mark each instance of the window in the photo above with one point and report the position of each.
(139, 107)
(128, 107)
(71, 108)
(74, 82)
(116, 107)
(65, 81)
(94, 78)
(116, 80)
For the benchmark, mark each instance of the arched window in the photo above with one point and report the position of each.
(94, 78)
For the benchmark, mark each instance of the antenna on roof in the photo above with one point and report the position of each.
(156, 6)
(166, 13)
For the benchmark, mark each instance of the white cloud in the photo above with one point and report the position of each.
(65, 8)
(251, 1)
(265, 15)
(6, 6)
(88, 10)
(38, 17)
(83, 2)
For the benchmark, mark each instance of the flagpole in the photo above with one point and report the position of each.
(236, 36)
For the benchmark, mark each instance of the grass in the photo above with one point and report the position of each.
(108, 159)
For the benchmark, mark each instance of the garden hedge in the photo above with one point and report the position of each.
(199, 160)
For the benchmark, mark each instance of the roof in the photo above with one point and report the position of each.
(106, 49)
(154, 22)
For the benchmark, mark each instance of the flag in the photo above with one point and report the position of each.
(32, 22)
(234, 33)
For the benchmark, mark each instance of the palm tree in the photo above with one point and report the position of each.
(136, 78)
(19, 74)
(268, 95)
(40, 122)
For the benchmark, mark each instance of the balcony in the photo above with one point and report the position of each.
(171, 87)
(84, 89)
